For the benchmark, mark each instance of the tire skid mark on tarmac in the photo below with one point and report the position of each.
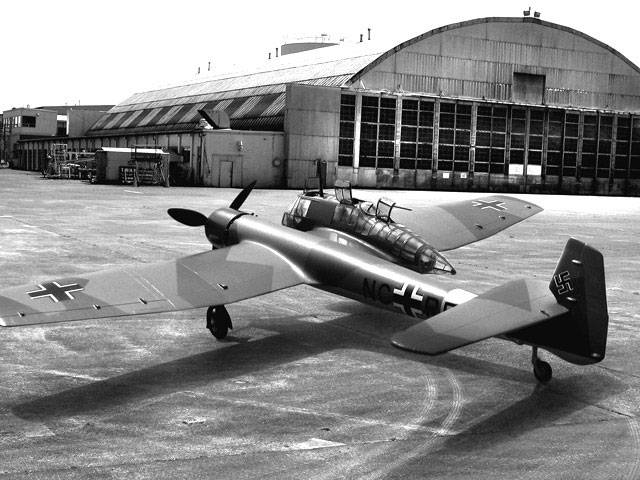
(345, 468)
(414, 426)
(452, 417)
(634, 428)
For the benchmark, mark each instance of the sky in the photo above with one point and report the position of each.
(82, 52)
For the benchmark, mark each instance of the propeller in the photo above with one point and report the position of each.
(187, 217)
(191, 218)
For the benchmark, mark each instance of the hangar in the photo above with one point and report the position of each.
(500, 104)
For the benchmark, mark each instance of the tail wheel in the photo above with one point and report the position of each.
(541, 369)
(218, 321)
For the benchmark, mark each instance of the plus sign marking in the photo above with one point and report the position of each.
(496, 205)
(408, 300)
(55, 291)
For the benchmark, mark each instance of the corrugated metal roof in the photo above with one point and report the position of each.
(253, 99)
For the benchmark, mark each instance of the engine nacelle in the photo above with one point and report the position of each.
(218, 224)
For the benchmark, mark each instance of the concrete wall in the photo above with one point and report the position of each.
(210, 157)
(312, 126)
(228, 158)
(79, 121)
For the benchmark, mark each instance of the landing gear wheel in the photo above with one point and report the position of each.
(218, 321)
(541, 369)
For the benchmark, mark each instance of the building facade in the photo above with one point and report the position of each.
(500, 104)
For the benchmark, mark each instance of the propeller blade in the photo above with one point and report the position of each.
(187, 217)
(242, 196)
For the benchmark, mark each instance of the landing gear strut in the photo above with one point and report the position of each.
(541, 369)
(218, 321)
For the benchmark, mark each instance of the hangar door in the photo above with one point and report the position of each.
(229, 170)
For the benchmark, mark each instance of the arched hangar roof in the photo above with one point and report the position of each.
(474, 59)
(478, 59)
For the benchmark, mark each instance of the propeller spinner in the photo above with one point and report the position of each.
(214, 228)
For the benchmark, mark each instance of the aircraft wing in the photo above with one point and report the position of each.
(454, 224)
(501, 310)
(215, 277)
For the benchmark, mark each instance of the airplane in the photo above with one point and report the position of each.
(350, 247)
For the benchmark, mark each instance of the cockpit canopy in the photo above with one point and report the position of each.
(370, 224)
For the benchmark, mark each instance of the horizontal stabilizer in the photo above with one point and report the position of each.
(503, 309)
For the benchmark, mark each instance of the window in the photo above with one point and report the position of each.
(554, 142)
(455, 137)
(605, 136)
(416, 137)
(347, 129)
(490, 138)
(377, 132)
(621, 163)
(589, 145)
(571, 134)
(634, 167)
(536, 134)
(518, 130)
(29, 121)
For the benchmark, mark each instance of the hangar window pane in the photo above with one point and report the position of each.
(369, 101)
(425, 151)
(377, 132)
(518, 125)
(347, 99)
(408, 163)
(408, 104)
(490, 132)
(416, 134)
(554, 144)
(409, 117)
(345, 147)
(517, 142)
(369, 131)
(483, 139)
(535, 142)
(447, 136)
(386, 132)
(408, 134)
(445, 152)
(347, 112)
(571, 137)
(447, 120)
(425, 135)
(447, 107)
(408, 150)
(498, 140)
(347, 129)
(454, 134)
(426, 118)
(482, 167)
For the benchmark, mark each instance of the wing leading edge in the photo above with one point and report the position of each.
(215, 277)
(451, 225)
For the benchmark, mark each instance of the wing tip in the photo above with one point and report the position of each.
(407, 342)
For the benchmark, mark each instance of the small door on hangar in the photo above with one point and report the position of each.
(226, 173)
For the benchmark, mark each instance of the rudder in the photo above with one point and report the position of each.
(578, 283)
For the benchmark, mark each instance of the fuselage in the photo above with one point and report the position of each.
(366, 227)
(340, 269)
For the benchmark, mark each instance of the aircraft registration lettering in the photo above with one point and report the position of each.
(379, 292)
